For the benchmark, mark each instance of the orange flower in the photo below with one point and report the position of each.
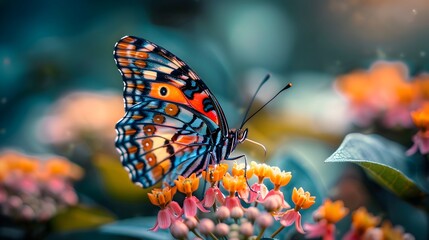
(421, 117)
(261, 170)
(239, 170)
(215, 173)
(62, 168)
(362, 220)
(332, 212)
(162, 197)
(393, 233)
(187, 185)
(302, 199)
(383, 91)
(422, 84)
(21, 163)
(279, 178)
(234, 184)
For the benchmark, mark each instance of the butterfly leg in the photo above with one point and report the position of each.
(245, 168)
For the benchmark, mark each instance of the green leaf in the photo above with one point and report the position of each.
(386, 162)
(81, 217)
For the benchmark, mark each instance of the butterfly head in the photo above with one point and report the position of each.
(239, 135)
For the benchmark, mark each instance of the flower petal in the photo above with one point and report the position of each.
(315, 230)
(289, 217)
(175, 208)
(156, 227)
(298, 226)
(199, 204)
(219, 196)
(231, 202)
(209, 198)
(164, 218)
(189, 207)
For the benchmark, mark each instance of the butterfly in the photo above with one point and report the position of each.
(173, 125)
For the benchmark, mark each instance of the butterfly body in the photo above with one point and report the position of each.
(173, 124)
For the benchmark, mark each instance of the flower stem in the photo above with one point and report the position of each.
(213, 236)
(196, 234)
(261, 233)
(277, 231)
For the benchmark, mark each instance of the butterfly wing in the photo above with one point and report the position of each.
(172, 121)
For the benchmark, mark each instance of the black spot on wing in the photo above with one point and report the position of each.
(208, 105)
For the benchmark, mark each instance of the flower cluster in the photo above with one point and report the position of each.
(384, 93)
(35, 190)
(230, 206)
(326, 216)
(421, 138)
(364, 224)
(85, 116)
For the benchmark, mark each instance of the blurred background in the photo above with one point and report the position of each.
(61, 93)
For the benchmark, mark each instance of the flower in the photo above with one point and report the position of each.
(383, 92)
(83, 116)
(302, 200)
(398, 113)
(191, 203)
(239, 170)
(394, 233)
(326, 216)
(213, 175)
(179, 230)
(361, 222)
(279, 178)
(28, 193)
(331, 211)
(421, 138)
(170, 210)
(258, 190)
(234, 184)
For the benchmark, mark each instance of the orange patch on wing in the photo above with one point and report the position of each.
(137, 117)
(138, 86)
(130, 131)
(141, 54)
(140, 63)
(151, 159)
(186, 139)
(132, 149)
(197, 103)
(123, 61)
(124, 45)
(128, 39)
(174, 94)
(162, 168)
(140, 166)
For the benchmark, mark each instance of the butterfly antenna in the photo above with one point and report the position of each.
(259, 144)
(253, 98)
(286, 87)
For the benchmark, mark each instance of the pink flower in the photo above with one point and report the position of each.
(321, 229)
(231, 202)
(291, 216)
(190, 206)
(258, 192)
(398, 116)
(421, 143)
(167, 216)
(212, 194)
(280, 194)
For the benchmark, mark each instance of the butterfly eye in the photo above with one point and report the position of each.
(163, 91)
